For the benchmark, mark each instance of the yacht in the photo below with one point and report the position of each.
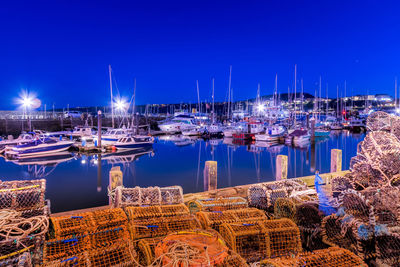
(38, 147)
(213, 130)
(82, 131)
(134, 142)
(297, 136)
(337, 126)
(195, 131)
(356, 125)
(22, 139)
(179, 123)
(272, 134)
(112, 136)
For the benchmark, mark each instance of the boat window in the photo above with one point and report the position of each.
(129, 139)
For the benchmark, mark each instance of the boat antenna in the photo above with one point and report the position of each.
(111, 93)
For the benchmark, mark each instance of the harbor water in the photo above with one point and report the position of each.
(77, 181)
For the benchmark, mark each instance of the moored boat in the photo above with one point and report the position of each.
(38, 147)
(134, 142)
(272, 134)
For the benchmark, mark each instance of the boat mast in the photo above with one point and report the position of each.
(111, 93)
(319, 99)
(133, 104)
(395, 94)
(337, 101)
(276, 91)
(229, 91)
(213, 100)
(327, 100)
(295, 92)
(302, 97)
(198, 97)
(345, 100)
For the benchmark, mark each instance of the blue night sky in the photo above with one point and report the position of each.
(61, 49)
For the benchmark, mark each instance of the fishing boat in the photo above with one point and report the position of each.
(178, 123)
(272, 134)
(38, 147)
(134, 142)
(195, 131)
(112, 136)
(213, 131)
(337, 126)
(22, 139)
(300, 137)
(82, 131)
(356, 125)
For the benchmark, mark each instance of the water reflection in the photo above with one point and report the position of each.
(78, 181)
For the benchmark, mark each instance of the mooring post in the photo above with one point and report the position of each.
(281, 167)
(99, 129)
(312, 121)
(336, 160)
(210, 175)
(115, 179)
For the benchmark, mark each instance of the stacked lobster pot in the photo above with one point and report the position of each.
(23, 221)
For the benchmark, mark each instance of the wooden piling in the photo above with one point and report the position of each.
(99, 129)
(336, 160)
(281, 167)
(115, 179)
(210, 175)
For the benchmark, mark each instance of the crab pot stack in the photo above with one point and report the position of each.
(330, 257)
(214, 219)
(155, 221)
(99, 238)
(148, 196)
(264, 195)
(24, 221)
(258, 240)
(217, 204)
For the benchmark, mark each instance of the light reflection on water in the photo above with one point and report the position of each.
(80, 181)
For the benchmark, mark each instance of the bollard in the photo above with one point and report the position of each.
(115, 179)
(336, 160)
(210, 175)
(281, 167)
(99, 129)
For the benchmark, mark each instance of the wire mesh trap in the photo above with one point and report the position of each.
(330, 257)
(213, 219)
(139, 196)
(78, 260)
(217, 204)
(141, 213)
(264, 195)
(233, 260)
(192, 248)
(146, 250)
(119, 254)
(107, 218)
(22, 195)
(65, 248)
(20, 259)
(78, 224)
(107, 237)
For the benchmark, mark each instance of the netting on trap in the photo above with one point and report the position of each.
(192, 248)
(22, 195)
(247, 239)
(148, 196)
(21, 260)
(233, 260)
(119, 254)
(65, 248)
(155, 227)
(213, 219)
(79, 260)
(78, 224)
(387, 242)
(264, 195)
(379, 121)
(107, 237)
(355, 203)
(330, 257)
(141, 213)
(146, 250)
(340, 184)
(377, 163)
(103, 219)
(217, 204)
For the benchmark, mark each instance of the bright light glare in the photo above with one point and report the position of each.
(260, 107)
(121, 104)
(28, 101)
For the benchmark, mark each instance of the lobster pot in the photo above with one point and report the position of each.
(355, 203)
(119, 254)
(108, 237)
(282, 237)
(171, 195)
(142, 213)
(148, 196)
(43, 211)
(217, 204)
(180, 223)
(66, 248)
(215, 218)
(109, 218)
(264, 195)
(192, 248)
(22, 195)
(81, 260)
(20, 260)
(340, 184)
(285, 208)
(174, 210)
(246, 239)
(78, 224)
(146, 249)
(330, 257)
(387, 244)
